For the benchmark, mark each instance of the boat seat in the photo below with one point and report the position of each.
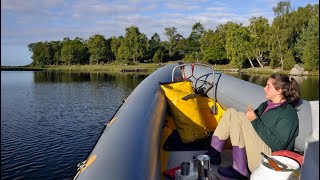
(308, 125)
(174, 143)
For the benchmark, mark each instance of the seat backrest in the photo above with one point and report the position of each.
(308, 113)
(315, 120)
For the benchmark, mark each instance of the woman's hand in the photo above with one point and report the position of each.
(250, 114)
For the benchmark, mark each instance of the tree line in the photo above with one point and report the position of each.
(292, 38)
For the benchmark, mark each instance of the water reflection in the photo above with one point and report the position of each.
(55, 77)
(125, 80)
(309, 86)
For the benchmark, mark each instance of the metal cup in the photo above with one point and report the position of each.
(203, 166)
(185, 168)
(195, 164)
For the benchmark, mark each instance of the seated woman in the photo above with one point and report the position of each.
(273, 126)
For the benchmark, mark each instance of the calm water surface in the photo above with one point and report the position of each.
(51, 120)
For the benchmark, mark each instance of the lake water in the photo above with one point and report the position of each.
(51, 120)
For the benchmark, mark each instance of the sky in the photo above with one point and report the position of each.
(29, 21)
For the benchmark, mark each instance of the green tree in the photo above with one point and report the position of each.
(258, 45)
(299, 20)
(74, 51)
(130, 42)
(41, 53)
(56, 52)
(158, 55)
(115, 45)
(310, 55)
(274, 58)
(212, 47)
(171, 33)
(122, 55)
(237, 37)
(67, 54)
(278, 39)
(110, 56)
(142, 47)
(282, 8)
(193, 42)
(174, 42)
(98, 48)
(280, 32)
(180, 47)
(288, 60)
(308, 44)
(154, 44)
(134, 45)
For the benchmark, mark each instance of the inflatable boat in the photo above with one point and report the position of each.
(137, 143)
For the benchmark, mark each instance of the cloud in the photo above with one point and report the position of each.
(181, 6)
(30, 6)
(97, 8)
(44, 20)
(214, 9)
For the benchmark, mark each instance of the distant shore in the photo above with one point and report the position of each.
(142, 68)
(21, 68)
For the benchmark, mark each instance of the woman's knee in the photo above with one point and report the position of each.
(231, 110)
(235, 116)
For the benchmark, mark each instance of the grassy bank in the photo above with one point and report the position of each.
(21, 68)
(150, 67)
(146, 67)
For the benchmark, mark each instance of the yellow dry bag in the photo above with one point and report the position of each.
(210, 120)
(186, 113)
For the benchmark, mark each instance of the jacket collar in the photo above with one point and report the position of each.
(283, 105)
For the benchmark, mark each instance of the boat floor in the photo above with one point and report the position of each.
(176, 157)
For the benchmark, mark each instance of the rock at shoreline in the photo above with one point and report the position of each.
(298, 70)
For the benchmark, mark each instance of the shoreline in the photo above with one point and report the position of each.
(144, 68)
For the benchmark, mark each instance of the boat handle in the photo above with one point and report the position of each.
(213, 109)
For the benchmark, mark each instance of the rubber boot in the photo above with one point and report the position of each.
(239, 169)
(215, 150)
(215, 157)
